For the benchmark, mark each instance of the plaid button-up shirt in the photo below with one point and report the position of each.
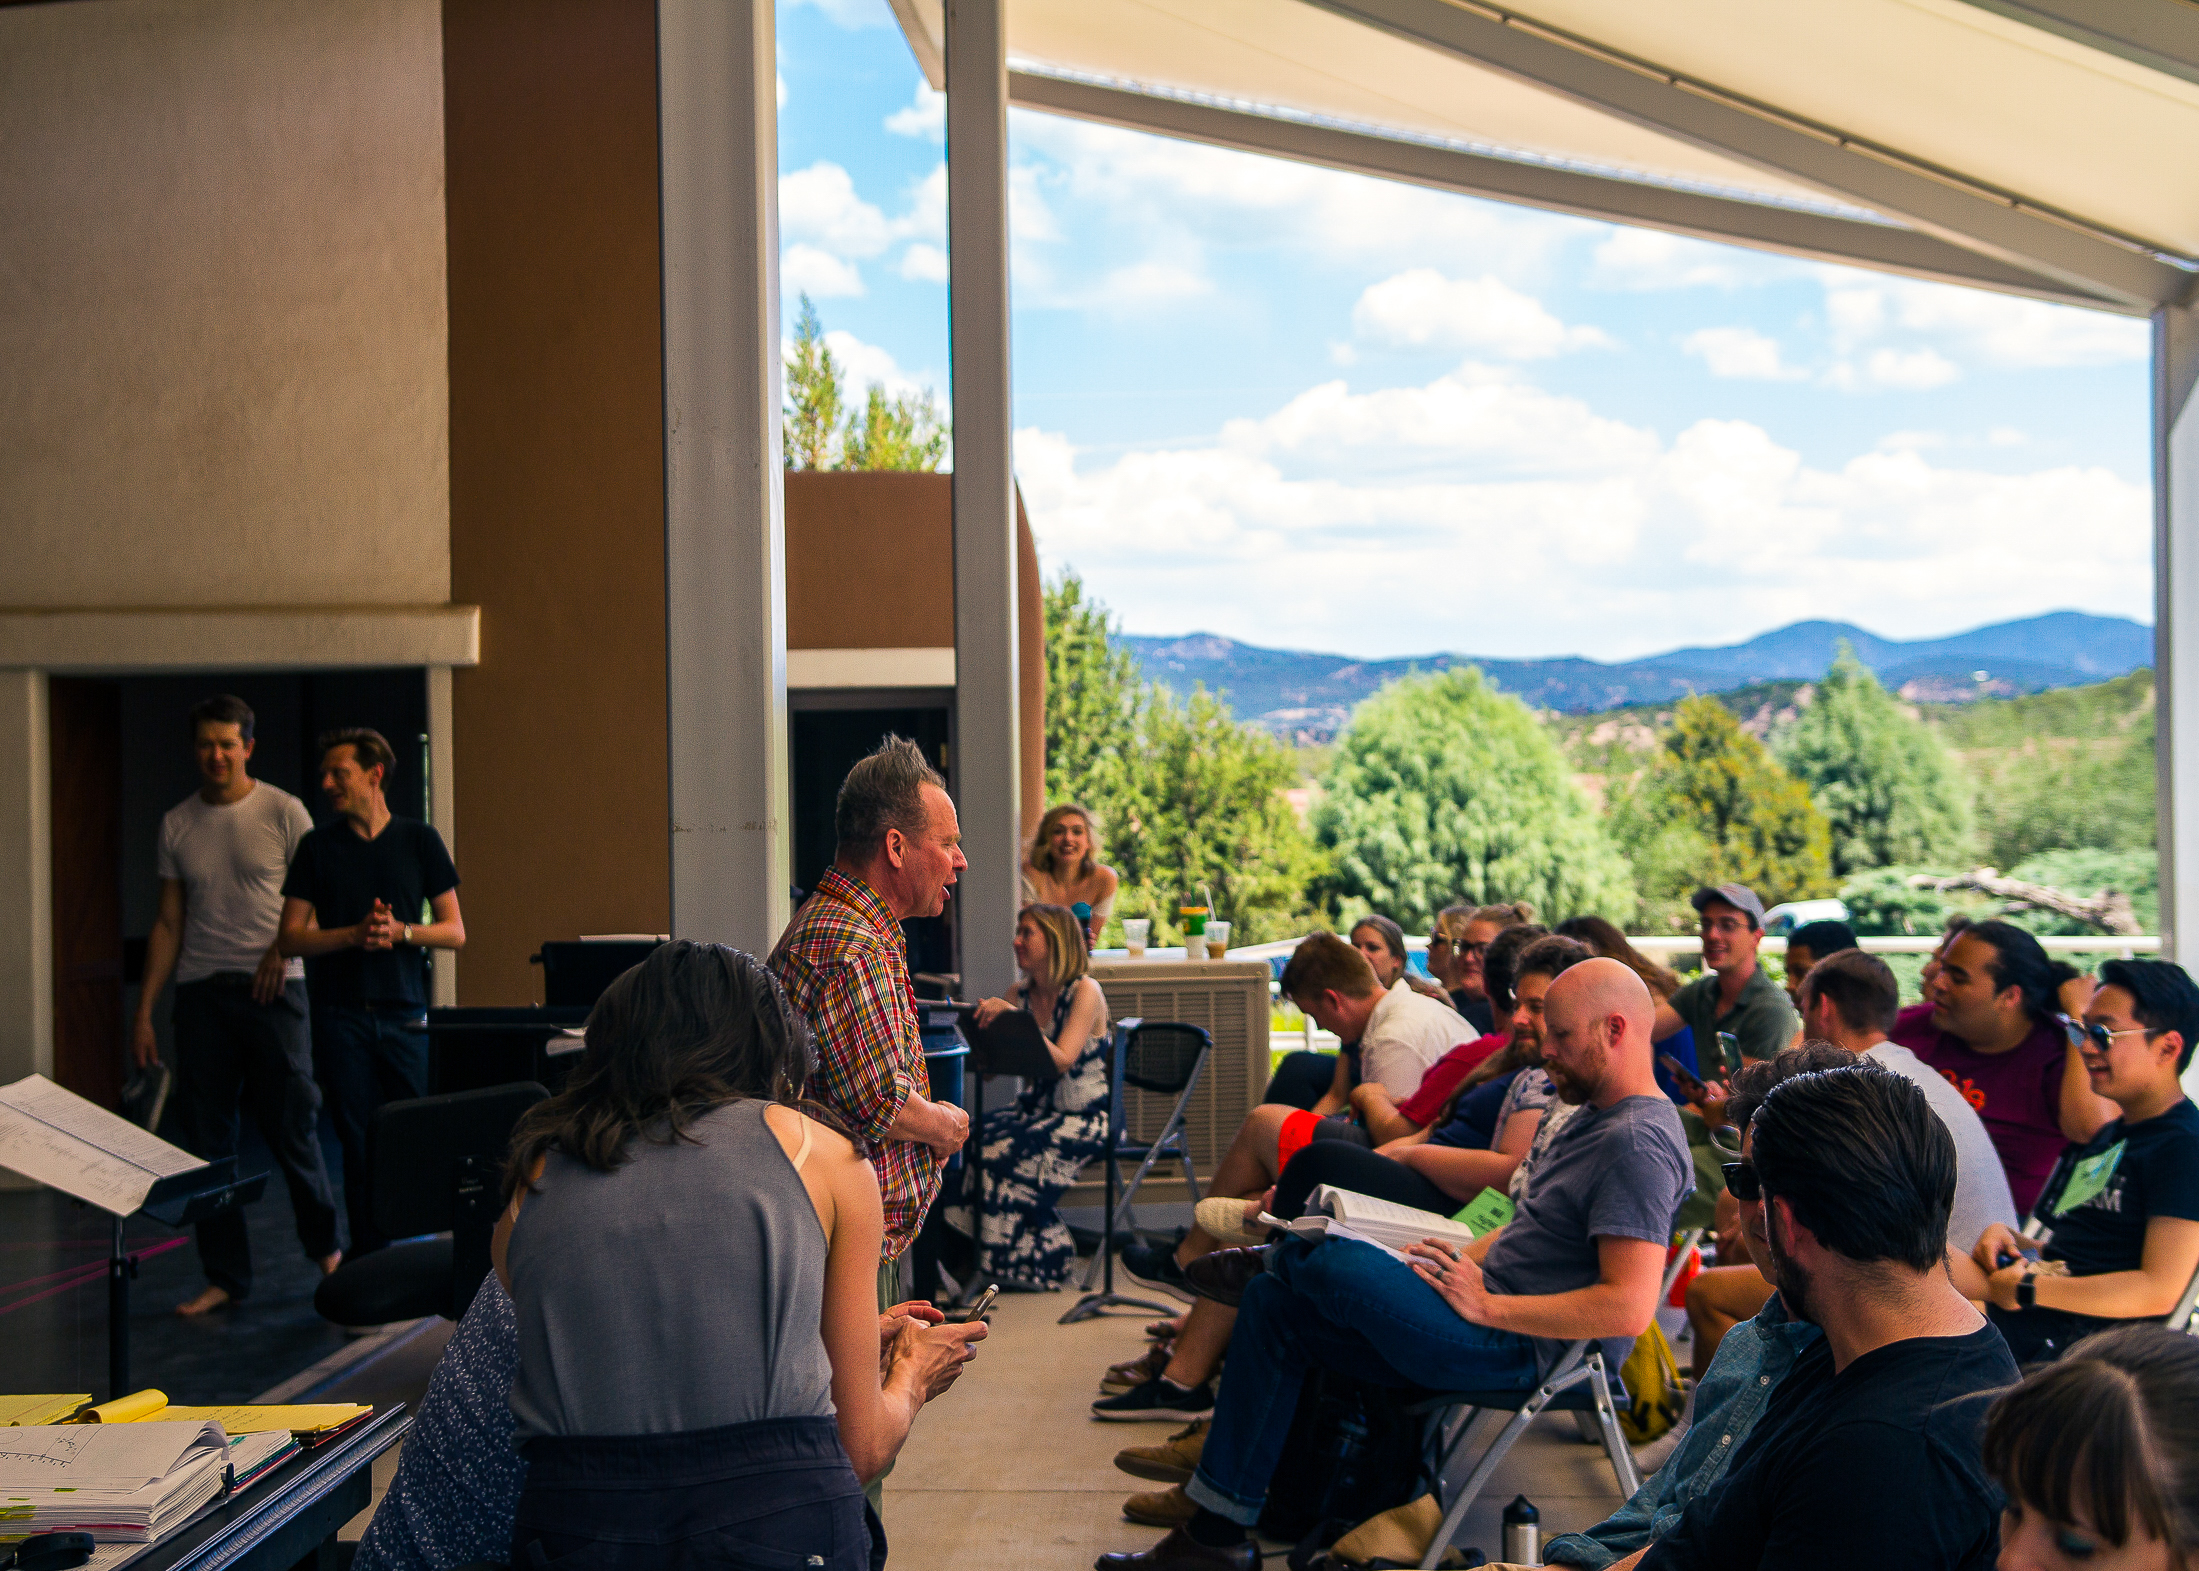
(843, 964)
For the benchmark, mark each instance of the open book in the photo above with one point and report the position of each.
(127, 1483)
(81, 1149)
(1344, 1213)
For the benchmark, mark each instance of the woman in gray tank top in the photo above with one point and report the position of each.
(693, 1267)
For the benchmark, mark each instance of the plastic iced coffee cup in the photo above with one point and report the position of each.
(1217, 940)
(1134, 932)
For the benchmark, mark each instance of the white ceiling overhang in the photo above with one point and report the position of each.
(2034, 146)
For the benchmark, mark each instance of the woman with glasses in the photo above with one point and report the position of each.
(2116, 1229)
(1458, 946)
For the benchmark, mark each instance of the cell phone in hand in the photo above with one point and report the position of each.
(1687, 1082)
(985, 1302)
(2025, 1250)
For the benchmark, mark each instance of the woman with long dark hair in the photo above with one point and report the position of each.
(692, 1254)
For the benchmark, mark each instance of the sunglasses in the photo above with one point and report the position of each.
(2080, 1032)
(1742, 1180)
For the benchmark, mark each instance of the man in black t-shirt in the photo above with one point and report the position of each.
(1867, 1454)
(2119, 1217)
(365, 898)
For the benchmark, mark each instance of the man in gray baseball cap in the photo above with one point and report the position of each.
(1734, 994)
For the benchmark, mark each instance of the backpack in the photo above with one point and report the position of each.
(1654, 1399)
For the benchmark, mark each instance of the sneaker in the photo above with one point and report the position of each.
(1171, 1462)
(1156, 1402)
(1136, 1371)
(1163, 1508)
(1154, 1266)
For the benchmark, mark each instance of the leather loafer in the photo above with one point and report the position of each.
(1179, 1551)
(1222, 1275)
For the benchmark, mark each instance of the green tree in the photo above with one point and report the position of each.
(811, 420)
(1185, 796)
(1714, 808)
(895, 433)
(1443, 789)
(1886, 785)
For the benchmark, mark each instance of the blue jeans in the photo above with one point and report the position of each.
(365, 1055)
(1346, 1306)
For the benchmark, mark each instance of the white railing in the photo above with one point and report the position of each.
(1688, 943)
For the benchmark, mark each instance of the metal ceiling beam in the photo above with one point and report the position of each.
(1938, 202)
(1792, 231)
(2162, 35)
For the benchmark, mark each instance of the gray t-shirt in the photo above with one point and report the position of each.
(230, 858)
(1981, 1185)
(1611, 1172)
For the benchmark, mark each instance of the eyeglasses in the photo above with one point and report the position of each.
(2080, 1032)
(1742, 1180)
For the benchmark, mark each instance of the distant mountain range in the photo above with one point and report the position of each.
(1299, 693)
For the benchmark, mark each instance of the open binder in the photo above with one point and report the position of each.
(52, 1135)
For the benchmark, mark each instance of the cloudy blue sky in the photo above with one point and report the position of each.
(1313, 410)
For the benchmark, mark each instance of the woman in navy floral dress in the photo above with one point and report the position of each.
(1035, 1149)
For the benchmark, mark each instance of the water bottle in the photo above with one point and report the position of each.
(1522, 1532)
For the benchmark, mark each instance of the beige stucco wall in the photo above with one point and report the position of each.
(222, 304)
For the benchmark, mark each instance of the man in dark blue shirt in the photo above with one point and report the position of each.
(1867, 1454)
(2118, 1220)
(365, 899)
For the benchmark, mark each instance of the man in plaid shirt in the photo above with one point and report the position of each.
(843, 963)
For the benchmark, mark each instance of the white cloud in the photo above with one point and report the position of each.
(1422, 307)
(1648, 259)
(1911, 441)
(1912, 369)
(925, 262)
(925, 118)
(2005, 436)
(803, 269)
(819, 204)
(1481, 514)
(1741, 353)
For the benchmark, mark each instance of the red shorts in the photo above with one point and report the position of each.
(1295, 1135)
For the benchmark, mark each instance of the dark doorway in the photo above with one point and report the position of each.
(85, 720)
(827, 744)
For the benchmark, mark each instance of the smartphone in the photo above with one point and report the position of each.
(1680, 1076)
(2025, 1249)
(985, 1302)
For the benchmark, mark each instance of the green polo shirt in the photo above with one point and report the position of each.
(1763, 1018)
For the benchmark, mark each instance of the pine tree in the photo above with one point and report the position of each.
(895, 433)
(1712, 808)
(811, 419)
(1444, 789)
(1885, 784)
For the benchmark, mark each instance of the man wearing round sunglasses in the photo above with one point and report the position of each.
(2118, 1220)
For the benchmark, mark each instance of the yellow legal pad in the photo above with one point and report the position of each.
(16, 1410)
(151, 1406)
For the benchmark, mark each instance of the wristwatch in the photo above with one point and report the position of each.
(408, 932)
(2027, 1290)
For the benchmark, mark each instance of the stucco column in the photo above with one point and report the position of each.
(26, 878)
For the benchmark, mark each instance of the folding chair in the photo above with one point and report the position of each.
(1166, 1059)
(2179, 1318)
(1577, 1384)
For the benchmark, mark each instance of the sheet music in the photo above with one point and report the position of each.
(110, 1132)
(101, 1456)
(63, 1141)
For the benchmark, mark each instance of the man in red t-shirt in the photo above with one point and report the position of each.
(1996, 1034)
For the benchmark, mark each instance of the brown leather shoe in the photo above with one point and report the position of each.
(1171, 1462)
(1162, 1508)
(1223, 1274)
(1179, 1551)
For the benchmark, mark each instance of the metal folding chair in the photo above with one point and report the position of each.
(1578, 1383)
(2179, 1318)
(1164, 1058)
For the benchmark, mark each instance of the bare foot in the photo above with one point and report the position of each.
(328, 1263)
(210, 1299)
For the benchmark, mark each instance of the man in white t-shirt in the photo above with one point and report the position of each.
(241, 1032)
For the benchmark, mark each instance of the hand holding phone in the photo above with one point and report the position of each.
(1690, 1085)
(985, 1302)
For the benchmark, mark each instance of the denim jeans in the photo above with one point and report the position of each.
(1346, 1306)
(365, 1055)
(231, 1051)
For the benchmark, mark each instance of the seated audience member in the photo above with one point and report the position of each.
(2098, 1457)
(693, 1268)
(1852, 998)
(1754, 1355)
(1382, 941)
(1734, 994)
(1458, 945)
(1867, 1453)
(1064, 868)
(1581, 1258)
(1732, 1292)
(1918, 1016)
(1602, 936)
(2119, 1216)
(1996, 1035)
(458, 1475)
(1035, 1148)
(1399, 1035)
(1808, 944)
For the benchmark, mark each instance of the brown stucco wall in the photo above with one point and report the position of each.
(557, 477)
